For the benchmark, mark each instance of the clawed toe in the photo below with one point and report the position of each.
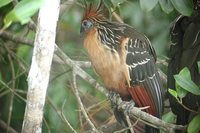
(129, 105)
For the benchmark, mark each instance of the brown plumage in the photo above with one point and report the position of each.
(124, 59)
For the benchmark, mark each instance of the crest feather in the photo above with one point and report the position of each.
(95, 12)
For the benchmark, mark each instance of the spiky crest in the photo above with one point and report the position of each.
(94, 12)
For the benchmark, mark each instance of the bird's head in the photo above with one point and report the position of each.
(86, 25)
(92, 16)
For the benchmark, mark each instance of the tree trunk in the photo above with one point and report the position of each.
(38, 77)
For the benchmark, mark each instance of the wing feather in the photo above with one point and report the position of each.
(146, 86)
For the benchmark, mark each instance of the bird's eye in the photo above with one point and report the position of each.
(87, 24)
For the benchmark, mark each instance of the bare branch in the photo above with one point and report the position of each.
(15, 38)
(4, 126)
(6, 86)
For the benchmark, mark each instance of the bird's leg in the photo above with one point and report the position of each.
(129, 105)
(114, 98)
(116, 101)
(117, 104)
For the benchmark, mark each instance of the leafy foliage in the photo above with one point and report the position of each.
(184, 85)
(148, 5)
(169, 117)
(194, 126)
(185, 7)
(183, 79)
(4, 2)
(22, 12)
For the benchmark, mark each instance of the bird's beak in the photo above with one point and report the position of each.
(82, 31)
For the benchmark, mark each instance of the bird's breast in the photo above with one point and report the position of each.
(107, 64)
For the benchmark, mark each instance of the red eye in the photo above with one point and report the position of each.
(84, 23)
(87, 24)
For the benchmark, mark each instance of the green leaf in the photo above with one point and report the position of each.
(198, 63)
(184, 80)
(194, 125)
(169, 117)
(185, 7)
(180, 91)
(4, 2)
(166, 6)
(148, 5)
(173, 93)
(22, 12)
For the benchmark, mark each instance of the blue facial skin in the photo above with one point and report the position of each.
(85, 26)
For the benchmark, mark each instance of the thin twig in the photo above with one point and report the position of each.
(129, 123)
(83, 64)
(13, 88)
(4, 126)
(66, 121)
(20, 97)
(187, 108)
(10, 82)
(4, 93)
(116, 16)
(47, 126)
(96, 105)
(122, 130)
(81, 104)
(58, 112)
(15, 38)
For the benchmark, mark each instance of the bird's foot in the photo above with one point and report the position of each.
(128, 106)
(118, 103)
(114, 98)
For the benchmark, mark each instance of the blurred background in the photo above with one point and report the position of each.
(15, 60)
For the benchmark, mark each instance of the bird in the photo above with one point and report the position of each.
(125, 61)
(185, 52)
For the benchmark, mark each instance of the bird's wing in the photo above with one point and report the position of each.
(146, 86)
(140, 58)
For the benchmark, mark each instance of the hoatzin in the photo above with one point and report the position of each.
(185, 52)
(125, 61)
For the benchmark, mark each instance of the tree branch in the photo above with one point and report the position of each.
(15, 38)
(136, 112)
